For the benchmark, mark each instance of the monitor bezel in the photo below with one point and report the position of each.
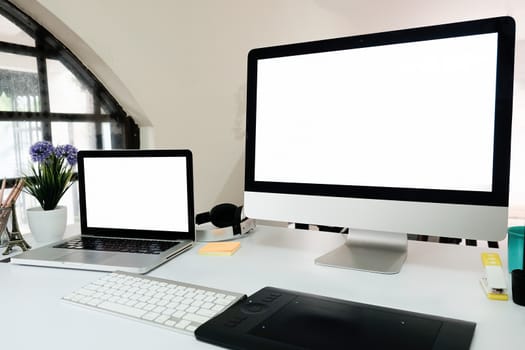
(503, 26)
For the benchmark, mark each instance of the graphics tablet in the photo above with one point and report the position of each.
(277, 319)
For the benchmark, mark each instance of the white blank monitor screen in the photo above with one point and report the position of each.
(137, 190)
(125, 193)
(344, 117)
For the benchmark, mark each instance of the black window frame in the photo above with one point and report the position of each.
(47, 46)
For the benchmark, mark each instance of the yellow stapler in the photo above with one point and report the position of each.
(494, 283)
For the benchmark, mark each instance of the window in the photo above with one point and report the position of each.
(46, 93)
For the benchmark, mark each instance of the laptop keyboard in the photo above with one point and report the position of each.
(170, 304)
(118, 245)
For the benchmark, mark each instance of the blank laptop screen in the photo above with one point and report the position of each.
(136, 193)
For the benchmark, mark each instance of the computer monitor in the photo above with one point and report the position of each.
(387, 134)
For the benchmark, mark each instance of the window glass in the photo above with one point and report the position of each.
(66, 93)
(87, 135)
(81, 135)
(9, 167)
(108, 142)
(19, 87)
(16, 138)
(71, 107)
(11, 33)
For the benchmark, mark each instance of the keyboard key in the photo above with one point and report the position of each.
(206, 312)
(162, 319)
(150, 316)
(218, 308)
(191, 328)
(192, 309)
(159, 309)
(207, 305)
(168, 312)
(149, 307)
(178, 314)
(222, 301)
(183, 324)
(196, 318)
(118, 245)
(123, 309)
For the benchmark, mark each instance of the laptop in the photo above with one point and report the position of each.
(136, 212)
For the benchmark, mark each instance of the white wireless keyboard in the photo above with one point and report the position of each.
(171, 304)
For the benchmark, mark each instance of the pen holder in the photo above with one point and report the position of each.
(13, 238)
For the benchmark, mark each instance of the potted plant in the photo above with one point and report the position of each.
(49, 179)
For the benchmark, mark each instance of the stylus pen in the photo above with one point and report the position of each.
(2, 189)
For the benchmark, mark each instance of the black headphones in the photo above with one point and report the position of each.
(223, 216)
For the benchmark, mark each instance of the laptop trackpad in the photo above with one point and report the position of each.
(87, 257)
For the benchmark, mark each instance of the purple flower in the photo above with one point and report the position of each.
(40, 151)
(68, 152)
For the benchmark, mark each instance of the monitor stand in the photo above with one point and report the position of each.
(373, 251)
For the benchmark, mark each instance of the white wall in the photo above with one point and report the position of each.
(179, 66)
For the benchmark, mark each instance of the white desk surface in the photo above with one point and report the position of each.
(439, 279)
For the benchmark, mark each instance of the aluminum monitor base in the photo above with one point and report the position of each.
(372, 251)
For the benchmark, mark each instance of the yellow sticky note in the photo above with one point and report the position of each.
(220, 248)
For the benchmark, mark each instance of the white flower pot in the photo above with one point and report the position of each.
(47, 225)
